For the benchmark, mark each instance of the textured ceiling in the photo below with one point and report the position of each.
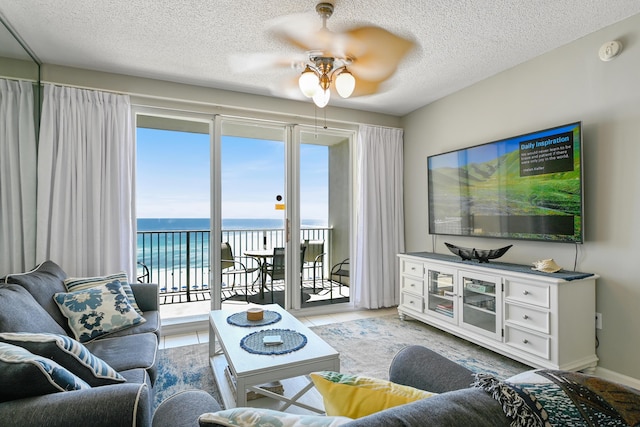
(191, 41)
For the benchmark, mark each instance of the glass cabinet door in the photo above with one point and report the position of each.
(481, 303)
(441, 295)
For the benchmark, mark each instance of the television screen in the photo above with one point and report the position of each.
(524, 187)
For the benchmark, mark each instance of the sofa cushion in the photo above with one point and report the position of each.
(356, 396)
(20, 312)
(79, 283)
(128, 352)
(259, 417)
(68, 353)
(43, 282)
(23, 374)
(465, 407)
(97, 311)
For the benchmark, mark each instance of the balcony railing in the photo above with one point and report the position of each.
(178, 260)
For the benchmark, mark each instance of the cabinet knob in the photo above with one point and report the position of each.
(525, 341)
(525, 292)
(525, 317)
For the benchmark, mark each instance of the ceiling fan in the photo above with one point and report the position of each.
(354, 62)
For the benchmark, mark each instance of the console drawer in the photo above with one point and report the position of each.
(412, 268)
(527, 341)
(410, 284)
(412, 302)
(527, 317)
(528, 293)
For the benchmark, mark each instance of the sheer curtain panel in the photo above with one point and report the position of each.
(86, 219)
(379, 216)
(17, 177)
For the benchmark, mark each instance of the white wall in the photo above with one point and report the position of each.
(568, 84)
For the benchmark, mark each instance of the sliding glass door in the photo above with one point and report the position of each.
(324, 194)
(239, 211)
(253, 208)
(285, 223)
(173, 206)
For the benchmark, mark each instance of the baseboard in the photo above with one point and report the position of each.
(617, 377)
(184, 325)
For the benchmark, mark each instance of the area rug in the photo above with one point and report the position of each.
(366, 347)
(184, 368)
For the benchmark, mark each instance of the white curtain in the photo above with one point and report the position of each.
(379, 217)
(17, 177)
(86, 153)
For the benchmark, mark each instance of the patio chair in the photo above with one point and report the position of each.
(276, 269)
(146, 275)
(341, 270)
(314, 258)
(231, 266)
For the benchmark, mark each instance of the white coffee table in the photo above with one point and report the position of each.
(251, 370)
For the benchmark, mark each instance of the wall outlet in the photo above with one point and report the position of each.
(598, 320)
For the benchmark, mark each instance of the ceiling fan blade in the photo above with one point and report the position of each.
(302, 31)
(365, 87)
(376, 51)
(287, 87)
(254, 62)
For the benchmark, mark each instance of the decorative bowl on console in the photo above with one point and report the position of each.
(482, 255)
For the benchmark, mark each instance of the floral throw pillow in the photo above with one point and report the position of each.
(97, 311)
(78, 283)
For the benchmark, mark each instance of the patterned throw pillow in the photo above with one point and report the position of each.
(79, 283)
(95, 312)
(68, 353)
(545, 397)
(23, 374)
(259, 417)
(357, 396)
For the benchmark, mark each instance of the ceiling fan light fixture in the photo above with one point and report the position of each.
(345, 83)
(309, 82)
(321, 98)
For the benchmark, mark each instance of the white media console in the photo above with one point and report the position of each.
(542, 320)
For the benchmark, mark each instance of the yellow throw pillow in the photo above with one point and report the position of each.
(356, 396)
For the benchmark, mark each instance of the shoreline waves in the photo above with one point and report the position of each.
(200, 224)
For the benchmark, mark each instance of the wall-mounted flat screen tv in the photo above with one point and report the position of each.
(524, 187)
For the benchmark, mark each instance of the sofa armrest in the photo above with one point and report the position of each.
(419, 367)
(146, 295)
(125, 404)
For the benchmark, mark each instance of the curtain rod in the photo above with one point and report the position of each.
(21, 79)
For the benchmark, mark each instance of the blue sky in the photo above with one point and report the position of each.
(172, 176)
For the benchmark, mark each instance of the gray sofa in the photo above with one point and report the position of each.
(467, 399)
(27, 305)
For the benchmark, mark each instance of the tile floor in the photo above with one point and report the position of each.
(202, 336)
